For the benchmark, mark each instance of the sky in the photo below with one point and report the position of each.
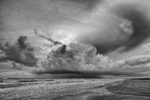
(117, 29)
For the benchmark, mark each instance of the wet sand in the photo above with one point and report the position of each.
(75, 89)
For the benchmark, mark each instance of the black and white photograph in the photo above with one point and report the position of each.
(74, 49)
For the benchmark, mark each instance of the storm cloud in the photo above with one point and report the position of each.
(107, 25)
(127, 21)
(81, 58)
(87, 30)
(139, 19)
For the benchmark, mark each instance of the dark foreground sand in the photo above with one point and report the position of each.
(75, 89)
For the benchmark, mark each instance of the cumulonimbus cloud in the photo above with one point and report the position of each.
(83, 58)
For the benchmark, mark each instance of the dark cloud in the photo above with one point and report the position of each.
(140, 23)
(20, 52)
(137, 15)
(112, 33)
